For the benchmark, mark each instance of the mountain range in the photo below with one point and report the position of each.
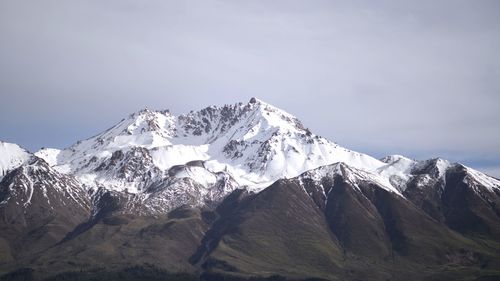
(240, 192)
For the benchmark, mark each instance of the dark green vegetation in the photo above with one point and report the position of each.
(336, 228)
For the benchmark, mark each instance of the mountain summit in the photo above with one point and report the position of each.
(238, 191)
(254, 143)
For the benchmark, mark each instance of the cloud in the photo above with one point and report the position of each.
(419, 78)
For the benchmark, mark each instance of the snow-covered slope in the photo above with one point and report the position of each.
(352, 175)
(37, 179)
(255, 143)
(163, 161)
(402, 172)
(49, 155)
(11, 157)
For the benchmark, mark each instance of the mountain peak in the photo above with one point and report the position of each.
(144, 110)
(201, 126)
(391, 159)
(274, 116)
(11, 157)
(254, 143)
(259, 102)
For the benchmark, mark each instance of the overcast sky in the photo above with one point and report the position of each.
(418, 78)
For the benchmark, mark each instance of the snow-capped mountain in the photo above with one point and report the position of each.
(228, 180)
(38, 207)
(165, 161)
(252, 144)
(37, 179)
(11, 157)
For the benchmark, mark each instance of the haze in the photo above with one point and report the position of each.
(417, 78)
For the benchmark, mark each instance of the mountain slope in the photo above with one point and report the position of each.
(38, 207)
(237, 191)
(278, 230)
(374, 234)
(255, 142)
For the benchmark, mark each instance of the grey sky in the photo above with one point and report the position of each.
(418, 78)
